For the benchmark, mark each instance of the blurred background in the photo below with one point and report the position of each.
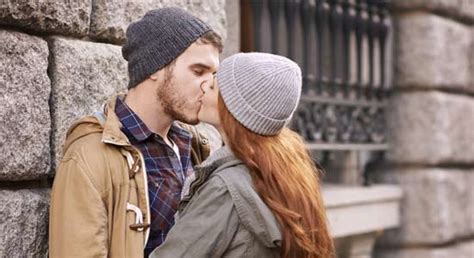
(387, 107)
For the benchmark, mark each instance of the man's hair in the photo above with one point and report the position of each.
(211, 37)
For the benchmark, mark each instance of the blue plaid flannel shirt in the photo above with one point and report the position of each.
(165, 171)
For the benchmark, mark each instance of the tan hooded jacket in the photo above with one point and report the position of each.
(99, 201)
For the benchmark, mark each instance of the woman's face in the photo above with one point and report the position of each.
(208, 112)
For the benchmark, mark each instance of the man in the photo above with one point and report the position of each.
(119, 182)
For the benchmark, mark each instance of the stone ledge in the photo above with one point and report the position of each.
(354, 210)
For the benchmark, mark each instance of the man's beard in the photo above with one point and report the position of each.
(173, 104)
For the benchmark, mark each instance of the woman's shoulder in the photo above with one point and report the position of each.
(237, 175)
(253, 213)
(238, 182)
(235, 180)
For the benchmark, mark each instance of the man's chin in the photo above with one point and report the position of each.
(189, 121)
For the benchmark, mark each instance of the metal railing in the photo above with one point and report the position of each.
(344, 50)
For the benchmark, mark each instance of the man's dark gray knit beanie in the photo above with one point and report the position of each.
(157, 39)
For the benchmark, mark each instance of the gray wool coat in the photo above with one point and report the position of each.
(221, 215)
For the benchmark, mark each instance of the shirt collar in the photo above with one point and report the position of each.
(132, 124)
(136, 128)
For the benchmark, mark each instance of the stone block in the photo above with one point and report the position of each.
(430, 128)
(466, 10)
(436, 207)
(446, 5)
(50, 16)
(470, 203)
(459, 250)
(24, 223)
(25, 121)
(232, 42)
(431, 52)
(83, 76)
(458, 9)
(110, 18)
(471, 58)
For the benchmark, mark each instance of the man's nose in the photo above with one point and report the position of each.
(206, 84)
(202, 87)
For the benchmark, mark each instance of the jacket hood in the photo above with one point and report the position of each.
(81, 128)
(253, 212)
(110, 128)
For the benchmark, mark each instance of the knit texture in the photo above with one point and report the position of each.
(157, 39)
(260, 90)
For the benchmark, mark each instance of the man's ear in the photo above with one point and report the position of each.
(154, 76)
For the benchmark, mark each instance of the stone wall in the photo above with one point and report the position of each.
(431, 130)
(59, 62)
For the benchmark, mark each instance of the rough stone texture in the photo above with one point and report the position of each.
(471, 58)
(431, 52)
(83, 75)
(461, 9)
(232, 42)
(24, 223)
(466, 10)
(430, 128)
(25, 121)
(50, 16)
(110, 18)
(470, 203)
(436, 207)
(460, 250)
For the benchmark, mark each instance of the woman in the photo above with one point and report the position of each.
(258, 196)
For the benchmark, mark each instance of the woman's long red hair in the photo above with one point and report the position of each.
(287, 180)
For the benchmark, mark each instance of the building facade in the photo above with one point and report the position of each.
(408, 192)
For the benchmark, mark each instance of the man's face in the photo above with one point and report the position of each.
(180, 91)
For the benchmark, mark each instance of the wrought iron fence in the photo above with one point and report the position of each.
(344, 49)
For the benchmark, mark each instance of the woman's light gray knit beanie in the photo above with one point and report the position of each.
(260, 90)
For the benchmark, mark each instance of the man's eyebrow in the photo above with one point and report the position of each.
(201, 65)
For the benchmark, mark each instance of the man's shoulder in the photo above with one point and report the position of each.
(98, 161)
(90, 144)
(92, 153)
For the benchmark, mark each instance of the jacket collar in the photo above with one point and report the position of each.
(258, 217)
(112, 133)
(219, 159)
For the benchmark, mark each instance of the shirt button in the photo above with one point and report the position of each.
(204, 141)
